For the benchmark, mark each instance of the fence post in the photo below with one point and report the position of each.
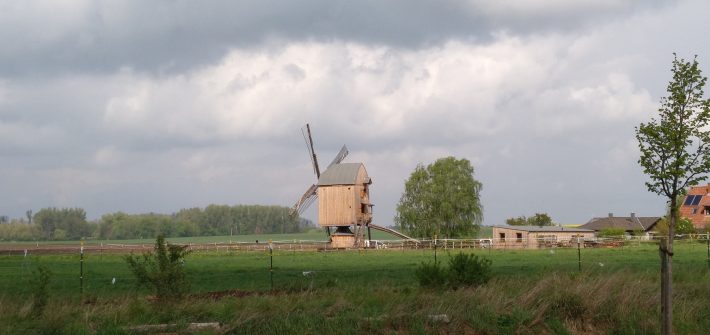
(435, 248)
(271, 265)
(579, 254)
(81, 267)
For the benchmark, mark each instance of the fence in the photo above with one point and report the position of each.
(297, 265)
(312, 245)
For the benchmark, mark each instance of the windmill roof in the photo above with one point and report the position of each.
(340, 174)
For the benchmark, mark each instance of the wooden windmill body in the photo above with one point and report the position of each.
(344, 202)
(343, 194)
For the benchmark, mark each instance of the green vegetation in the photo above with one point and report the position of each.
(62, 224)
(539, 219)
(611, 232)
(468, 270)
(464, 270)
(53, 224)
(441, 199)
(373, 291)
(162, 271)
(40, 293)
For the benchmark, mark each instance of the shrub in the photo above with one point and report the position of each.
(162, 271)
(40, 292)
(431, 275)
(463, 270)
(468, 270)
(611, 232)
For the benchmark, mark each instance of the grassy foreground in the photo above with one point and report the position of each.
(533, 292)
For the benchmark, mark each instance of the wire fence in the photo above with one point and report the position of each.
(251, 266)
(546, 242)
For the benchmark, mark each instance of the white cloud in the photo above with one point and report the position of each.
(537, 113)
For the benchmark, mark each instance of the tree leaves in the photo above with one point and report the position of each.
(441, 198)
(675, 149)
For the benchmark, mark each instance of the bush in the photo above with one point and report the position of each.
(468, 270)
(40, 292)
(611, 232)
(463, 270)
(431, 275)
(162, 271)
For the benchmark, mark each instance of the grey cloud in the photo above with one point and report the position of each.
(171, 36)
(515, 115)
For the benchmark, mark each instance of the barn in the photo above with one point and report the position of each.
(534, 237)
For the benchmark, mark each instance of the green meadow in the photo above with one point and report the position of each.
(370, 291)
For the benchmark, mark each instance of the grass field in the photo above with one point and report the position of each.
(533, 291)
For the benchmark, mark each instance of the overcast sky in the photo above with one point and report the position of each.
(154, 106)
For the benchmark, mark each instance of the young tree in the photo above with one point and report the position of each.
(162, 270)
(441, 199)
(675, 154)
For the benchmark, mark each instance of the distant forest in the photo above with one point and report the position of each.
(71, 223)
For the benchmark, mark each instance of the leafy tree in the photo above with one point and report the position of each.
(539, 219)
(675, 153)
(18, 231)
(163, 270)
(683, 226)
(70, 221)
(442, 198)
(519, 221)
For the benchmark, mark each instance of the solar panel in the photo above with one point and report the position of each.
(696, 201)
(688, 200)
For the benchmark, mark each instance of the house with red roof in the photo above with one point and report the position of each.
(696, 206)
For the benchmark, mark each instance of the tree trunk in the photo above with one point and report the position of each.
(666, 253)
(666, 289)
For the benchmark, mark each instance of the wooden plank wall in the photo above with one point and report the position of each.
(335, 205)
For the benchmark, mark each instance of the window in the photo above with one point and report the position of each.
(706, 211)
(694, 211)
(519, 237)
(502, 237)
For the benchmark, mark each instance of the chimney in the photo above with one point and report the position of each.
(611, 215)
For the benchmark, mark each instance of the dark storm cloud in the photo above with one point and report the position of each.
(171, 36)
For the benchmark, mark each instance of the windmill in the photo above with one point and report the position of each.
(342, 190)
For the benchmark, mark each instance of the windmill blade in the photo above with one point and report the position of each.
(305, 201)
(306, 131)
(340, 156)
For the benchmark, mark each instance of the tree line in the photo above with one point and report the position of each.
(71, 223)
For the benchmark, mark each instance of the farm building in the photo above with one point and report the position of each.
(696, 206)
(630, 224)
(533, 237)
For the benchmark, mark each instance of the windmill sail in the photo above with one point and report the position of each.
(339, 157)
(306, 131)
(306, 200)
